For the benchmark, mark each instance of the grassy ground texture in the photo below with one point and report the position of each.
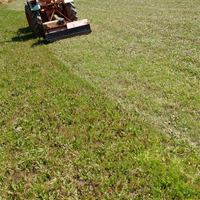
(110, 115)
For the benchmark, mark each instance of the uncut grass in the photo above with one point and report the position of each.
(62, 138)
(144, 55)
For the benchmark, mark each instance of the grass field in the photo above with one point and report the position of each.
(110, 115)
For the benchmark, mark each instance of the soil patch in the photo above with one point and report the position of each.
(5, 1)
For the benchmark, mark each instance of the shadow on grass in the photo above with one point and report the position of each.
(25, 34)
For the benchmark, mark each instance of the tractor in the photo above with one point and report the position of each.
(55, 19)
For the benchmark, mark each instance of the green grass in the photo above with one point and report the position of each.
(146, 56)
(110, 115)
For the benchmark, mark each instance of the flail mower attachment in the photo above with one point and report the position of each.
(68, 30)
(55, 20)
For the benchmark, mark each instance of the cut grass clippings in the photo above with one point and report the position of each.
(145, 55)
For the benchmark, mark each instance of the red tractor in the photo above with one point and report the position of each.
(55, 19)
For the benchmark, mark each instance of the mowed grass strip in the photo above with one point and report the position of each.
(63, 138)
(145, 55)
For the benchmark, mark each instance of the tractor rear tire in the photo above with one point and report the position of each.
(34, 21)
(71, 10)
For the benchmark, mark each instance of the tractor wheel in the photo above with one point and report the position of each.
(34, 21)
(71, 11)
(28, 17)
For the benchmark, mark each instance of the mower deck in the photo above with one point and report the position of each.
(53, 31)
